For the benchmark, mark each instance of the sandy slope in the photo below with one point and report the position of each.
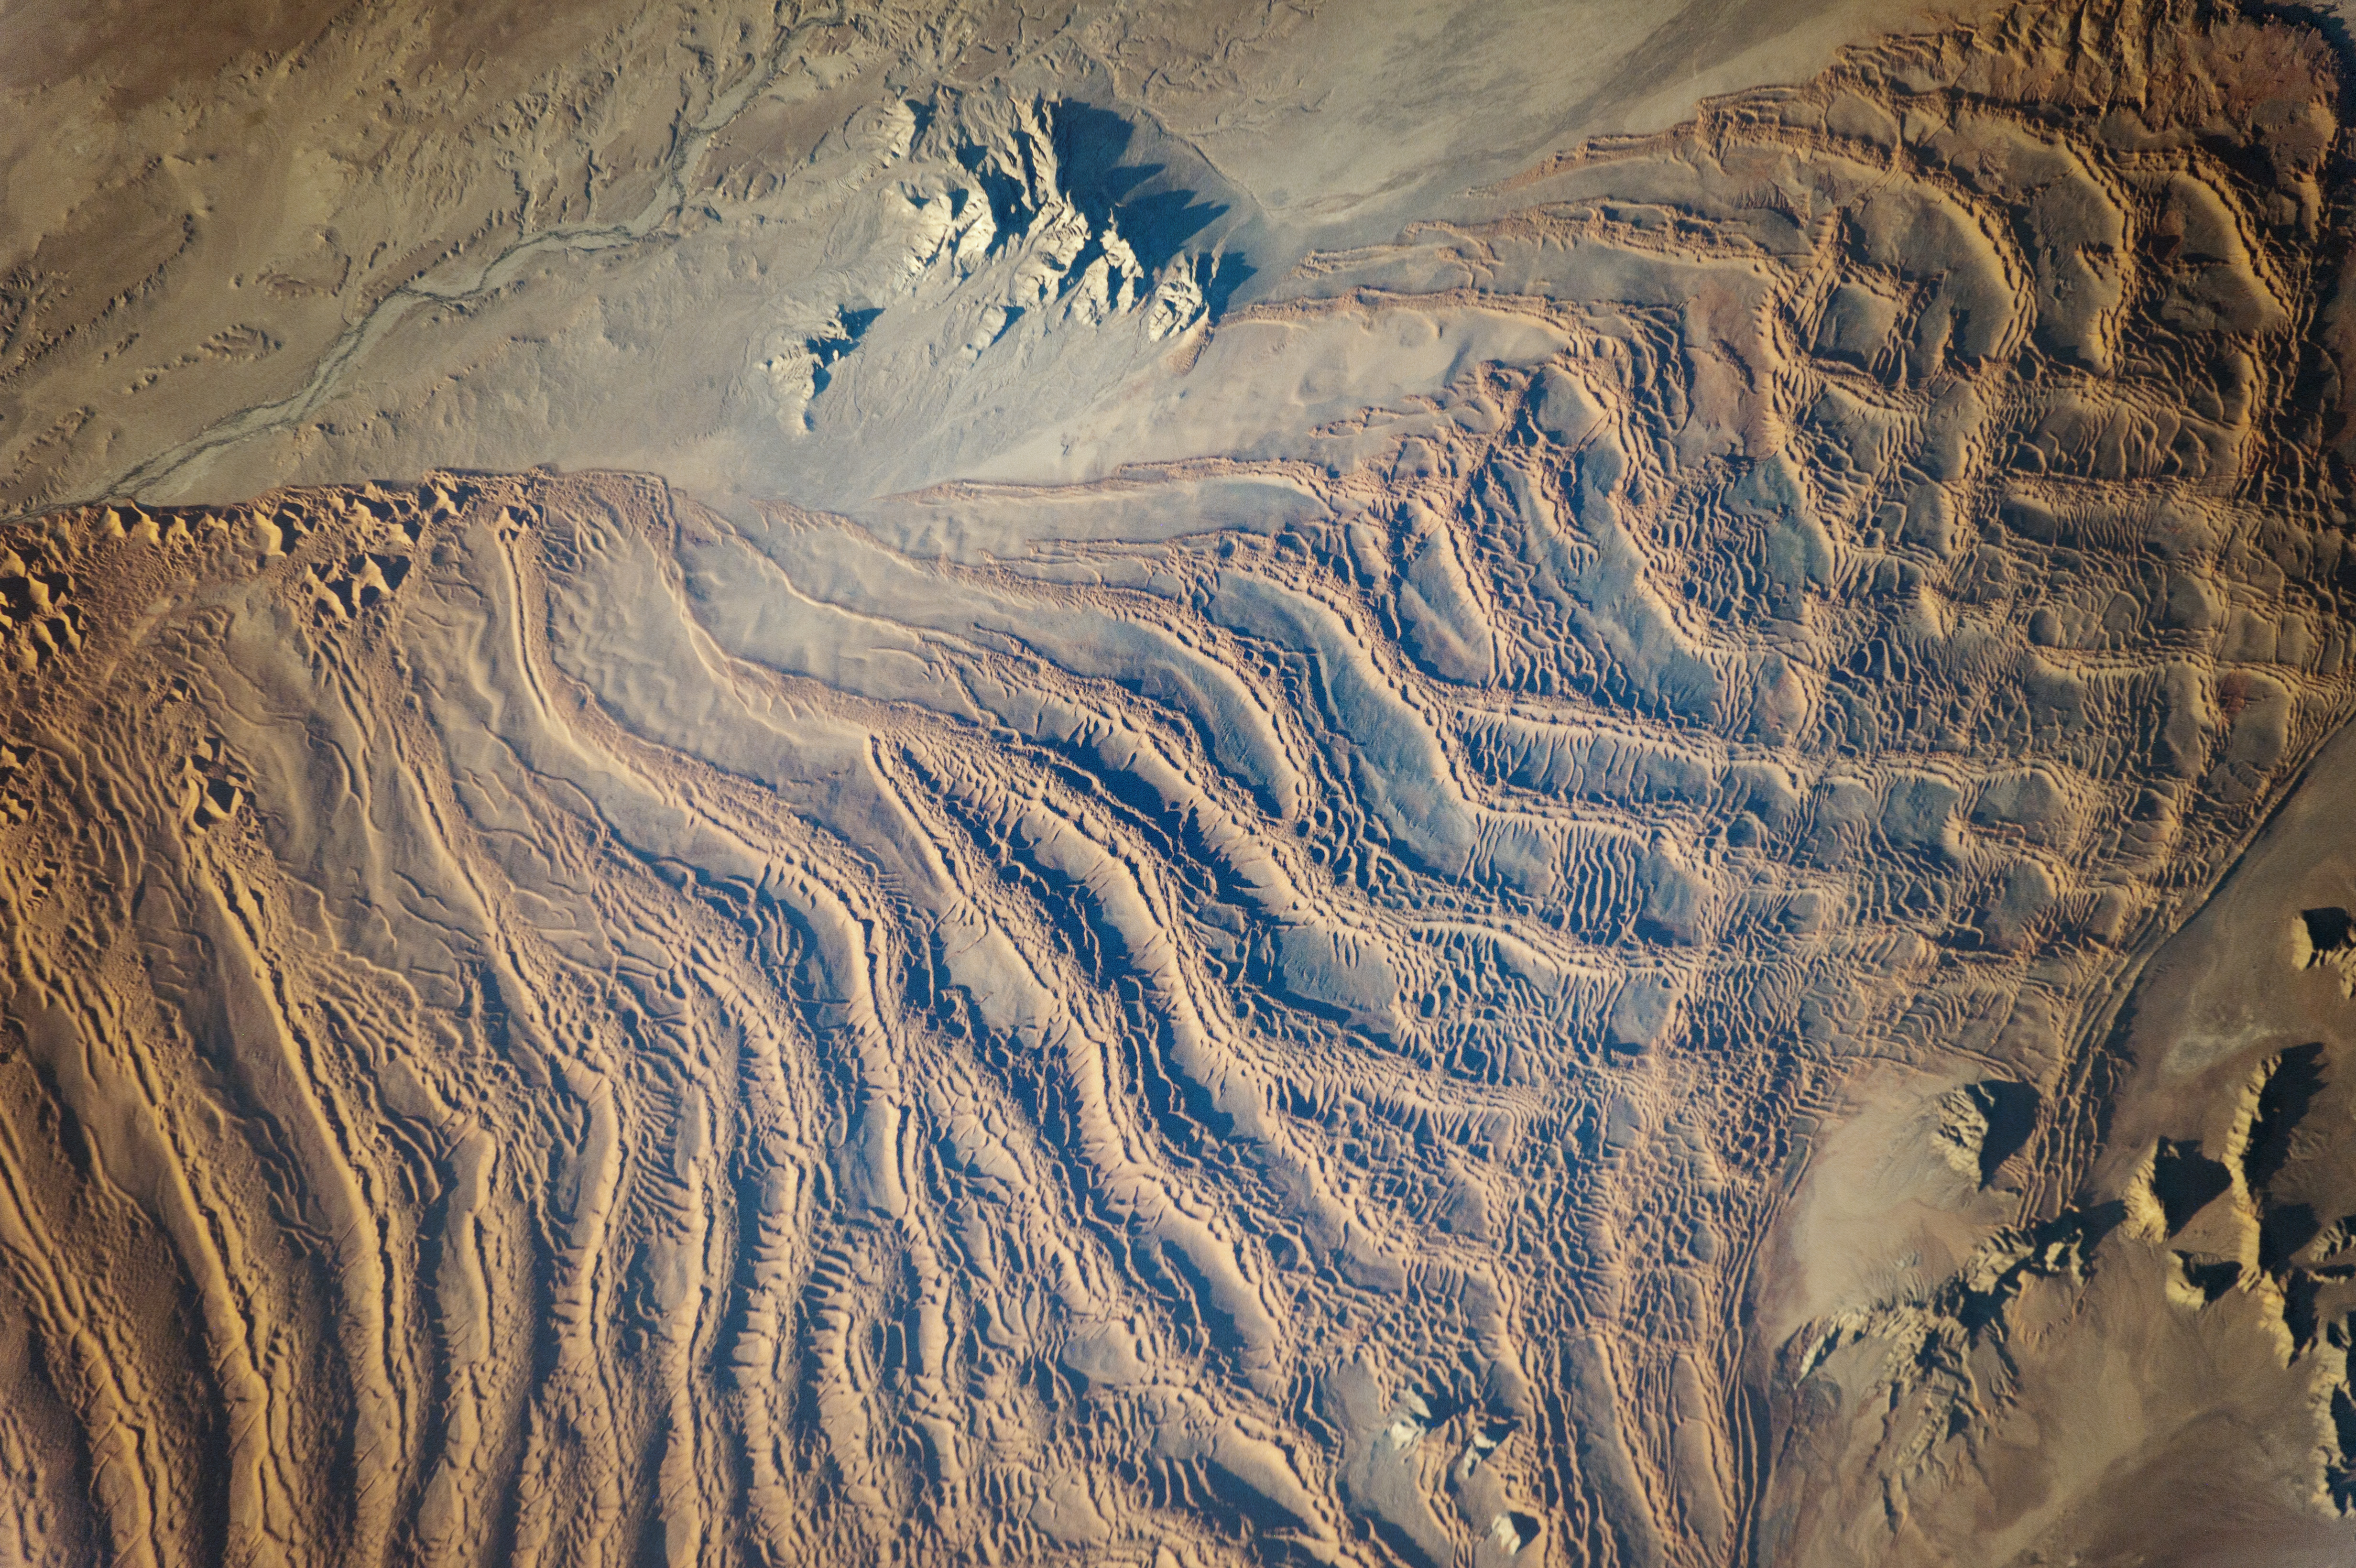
(1654, 873)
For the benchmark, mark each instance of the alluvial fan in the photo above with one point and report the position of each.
(1263, 1007)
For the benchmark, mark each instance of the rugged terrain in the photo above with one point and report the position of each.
(1652, 871)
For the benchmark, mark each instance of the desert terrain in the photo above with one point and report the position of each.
(1179, 788)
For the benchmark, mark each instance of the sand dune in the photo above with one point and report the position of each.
(1654, 872)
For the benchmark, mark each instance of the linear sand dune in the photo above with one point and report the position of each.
(1606, 980)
